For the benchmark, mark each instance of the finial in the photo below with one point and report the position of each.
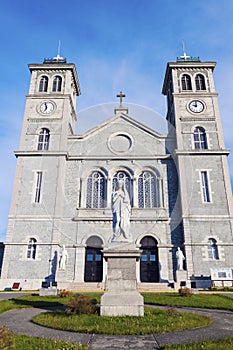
(121, 95)
(185, 56)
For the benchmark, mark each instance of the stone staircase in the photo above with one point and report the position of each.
(99, 286)
(86, 286)
(154, 286)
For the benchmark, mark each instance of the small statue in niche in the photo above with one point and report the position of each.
(180, 259)
(63, 258)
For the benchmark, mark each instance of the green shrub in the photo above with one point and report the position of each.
(185, 291)
(81, 304)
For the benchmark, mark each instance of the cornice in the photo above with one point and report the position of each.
(202, 152)
(40, 154)
(117, 157)
(197, 119)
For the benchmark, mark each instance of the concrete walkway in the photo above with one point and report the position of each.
(19, 321)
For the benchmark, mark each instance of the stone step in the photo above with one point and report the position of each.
(99, 286)
(154, 286)
(86, 286)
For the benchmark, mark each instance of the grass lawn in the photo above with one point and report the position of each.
(34, 300)
(154, 321)
(210, 301)
(10, 341)
(165, 320)
(222, 344)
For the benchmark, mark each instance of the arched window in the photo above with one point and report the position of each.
(148, 190)
(57, 83)
(200, 140)
(125, 178)
(31, 251)
(200, 82)
(212, 249)
(96, 191)
(43, 140)
(186, 82)
(43, 86)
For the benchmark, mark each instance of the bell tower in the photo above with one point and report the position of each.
(51, 101)
(35, 219)
(201, 157)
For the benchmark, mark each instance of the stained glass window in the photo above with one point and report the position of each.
(96, 191)
(125, 178)
(148, 190)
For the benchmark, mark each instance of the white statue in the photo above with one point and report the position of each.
(63, 258)
(121, 209)
(180, 258)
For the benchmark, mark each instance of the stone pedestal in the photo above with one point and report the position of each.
(61, 279)
(44, 292)
(181, 279)
(121, 297)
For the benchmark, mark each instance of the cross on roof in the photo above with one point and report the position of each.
(121, 95)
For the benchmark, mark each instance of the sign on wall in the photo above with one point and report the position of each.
(221, 274)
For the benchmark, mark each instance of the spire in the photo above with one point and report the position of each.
(58, 58)
(185, 57)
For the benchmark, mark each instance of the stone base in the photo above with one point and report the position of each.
(61, 275)
(122, 297)
(121, 304)
(182, 279)
(43, 292)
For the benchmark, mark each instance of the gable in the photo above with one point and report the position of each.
(119, 136)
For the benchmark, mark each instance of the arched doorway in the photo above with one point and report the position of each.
(149, 262)
(93, 260)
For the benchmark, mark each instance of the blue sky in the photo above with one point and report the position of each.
(116, 45)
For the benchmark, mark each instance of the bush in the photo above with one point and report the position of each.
(64, 293)
(6, 339)
(187, 292)
(171, 311)
(81, 304)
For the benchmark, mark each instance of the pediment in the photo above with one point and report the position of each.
(118, 136)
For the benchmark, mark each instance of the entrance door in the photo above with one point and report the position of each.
(93, 260)
(149, 263)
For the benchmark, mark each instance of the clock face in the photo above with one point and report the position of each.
(196, 106)
(46, 107)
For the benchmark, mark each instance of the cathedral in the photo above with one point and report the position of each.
(177, 185)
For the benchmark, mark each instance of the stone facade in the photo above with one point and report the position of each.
(178, 183)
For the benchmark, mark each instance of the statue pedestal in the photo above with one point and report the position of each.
(61, 279)
(122, 297)
(181, 279)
